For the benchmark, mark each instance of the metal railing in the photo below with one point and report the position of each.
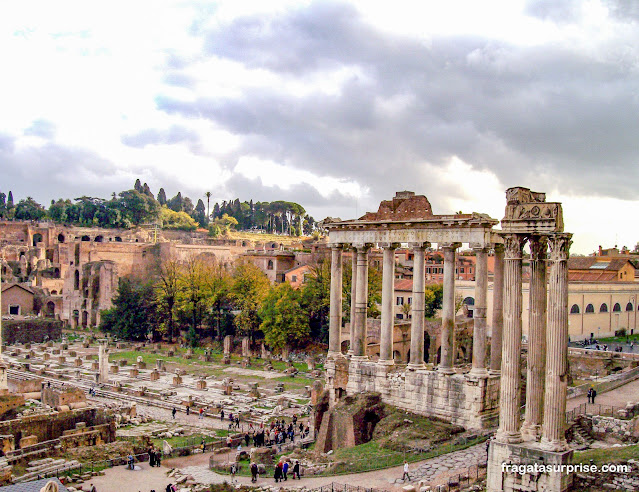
(593, 409)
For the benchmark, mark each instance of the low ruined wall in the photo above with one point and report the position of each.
(460, 399)
(586, 362)
(24, 386)
(31, 330)
(622, 429)
(54, 397)
(52, 426)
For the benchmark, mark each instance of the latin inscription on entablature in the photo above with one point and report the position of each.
(466, 235)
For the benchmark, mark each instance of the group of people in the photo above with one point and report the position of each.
(281, 470)
(277, 433)
(155, 457)
(592, 393)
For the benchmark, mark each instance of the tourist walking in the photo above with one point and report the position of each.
(285, 470)
(201, 416)
(221, 415)
(253, 472)
(188, 410)
(173, 412)
(589, 395)
(296, 470)
(151, 457)
(405, 476)
(594, 394)
(92, 489)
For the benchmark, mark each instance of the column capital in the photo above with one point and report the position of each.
(538, 247)
(450, 245)
(513, 246)
(388, 245)
(339, 246)
(363, 247)
(498, 247)
(559, 246)
(479, 247)
(419, 245)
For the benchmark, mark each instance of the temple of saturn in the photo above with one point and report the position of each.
(492, 388)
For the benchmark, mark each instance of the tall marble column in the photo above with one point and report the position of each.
(553, 432)
(417, 308)
(498, 311)
(388, 296)
(335, 317)
(509, 396)
(353, 299)
(479, 313)
(536, 368)
(448, 309)
(361, 302)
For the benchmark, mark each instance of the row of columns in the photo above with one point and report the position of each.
(359, 299)
(546, 373)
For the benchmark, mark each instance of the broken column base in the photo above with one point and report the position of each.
(200, 384)
(226, 359)
(524, 466)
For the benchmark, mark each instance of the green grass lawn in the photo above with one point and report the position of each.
(606, 455)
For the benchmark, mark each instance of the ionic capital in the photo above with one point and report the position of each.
(538, 247)
(362, 247)
(389, 245)
(450, 246)
(513, 246)
(419, 245)
(559, 246)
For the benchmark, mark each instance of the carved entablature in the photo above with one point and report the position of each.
(527, 212)
(405, 205)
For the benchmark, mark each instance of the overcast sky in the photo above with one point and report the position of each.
(335, 105)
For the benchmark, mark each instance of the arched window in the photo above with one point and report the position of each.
(469, 301)
(629, 306)
(616, 308)
(590, 308)
(86, 238)
(98, 239)
(37, 238)
(118, 239)
(574, 309)
(54, 292)
(603, 308)
(269, 266)
(60, 238)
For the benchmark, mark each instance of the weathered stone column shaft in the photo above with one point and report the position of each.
(498, 311)
(479, 313)
(509, 398)
(353, 299)
(335, 319)
(553, 437)
(448, 310)
(417, 309)
(361, 302)
(388, 315)
(536, 368)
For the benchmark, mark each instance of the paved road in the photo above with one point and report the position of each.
(618, 397)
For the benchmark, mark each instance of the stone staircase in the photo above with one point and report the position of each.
(581, 437)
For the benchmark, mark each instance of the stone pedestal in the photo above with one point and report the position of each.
(114, 369)
(62, 359)
(200, 384)
(517, 467)
(177, 380)
(159, 365)
(134, 373)
(122, 362)
(95, 366)
(46, 356)
(78, 362)
(55, 351)
(155, 375)
(72, 353)
(226, 359)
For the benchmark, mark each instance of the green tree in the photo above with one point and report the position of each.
(162, 197)
(434, 295)
(284, 320)
(176, 220)
(29, 209)
(133, 313)
(137, 207)
(166, 292)
(248, 289)
(315, 298)
(199, 214)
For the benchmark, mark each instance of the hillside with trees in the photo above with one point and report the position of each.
(138, 206)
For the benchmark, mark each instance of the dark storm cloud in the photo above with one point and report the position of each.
(52, 171)
(173, 135)
(540, 116)
(41, 128)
